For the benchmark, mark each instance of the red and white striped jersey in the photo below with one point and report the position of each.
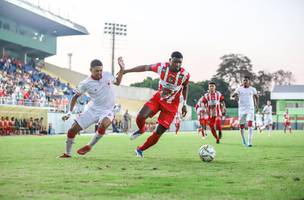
(286, 117)
(201, 110)
(170, 83)
(177, 118)
(212, 102)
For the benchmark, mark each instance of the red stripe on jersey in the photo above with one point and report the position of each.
(154, 67)
(163, 72)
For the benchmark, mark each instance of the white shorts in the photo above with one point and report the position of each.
(267, 120)
(245, 116)
(90, 117)
(259, 123)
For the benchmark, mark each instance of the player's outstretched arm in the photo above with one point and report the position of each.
(121, 71)
(140, 68)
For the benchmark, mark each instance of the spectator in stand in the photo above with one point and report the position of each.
(126, 121)
(2, 126)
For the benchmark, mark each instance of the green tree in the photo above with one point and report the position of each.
(282, 77)
(233, 68)
(147, 83)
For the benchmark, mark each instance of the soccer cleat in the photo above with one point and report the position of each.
(135, 135)
(139, 153)
(217, 141)
(64, 156)
(249, 145)
(84, 150)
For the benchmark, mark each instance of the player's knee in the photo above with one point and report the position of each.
(71, 133)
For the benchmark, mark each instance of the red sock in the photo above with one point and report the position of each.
(141, 123)
(150, 141)
(203, 132)
(219, 125)
(101, 131)
(213, 131)
(177, 128)
(71, 134)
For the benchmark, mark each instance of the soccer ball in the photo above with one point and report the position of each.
(206, 153)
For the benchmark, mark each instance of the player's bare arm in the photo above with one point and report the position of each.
(72, 105)
(185, 95)
(234, 97)
(121, 71)
(223, 107)
(256, 102)
(140, 68)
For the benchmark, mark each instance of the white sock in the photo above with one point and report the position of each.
(270, 129)
(250, 134)
(69, 144)
(95, 139)
(243, 136)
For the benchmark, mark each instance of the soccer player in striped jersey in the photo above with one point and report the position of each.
(214, 102)
(177, 121)
(202, 116)
(287, 123)
(173, 83)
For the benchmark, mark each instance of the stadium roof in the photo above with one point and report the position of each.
(287, 92)
(40, 19)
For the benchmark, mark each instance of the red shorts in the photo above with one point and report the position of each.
(287, 124)
(213, 120)
(167, 110)
(203, 121)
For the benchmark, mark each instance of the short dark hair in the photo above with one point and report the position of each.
(176, 54)
(95, 63)
(248, 77)
(211, 83)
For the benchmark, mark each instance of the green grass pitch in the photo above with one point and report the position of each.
(272, 169)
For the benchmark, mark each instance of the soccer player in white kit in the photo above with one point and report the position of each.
(259, 121)
(99, 86)
(248, 102)
(267, 111)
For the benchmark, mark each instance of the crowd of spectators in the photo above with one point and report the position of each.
(26, 84)
(25, 126)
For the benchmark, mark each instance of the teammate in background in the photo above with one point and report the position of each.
(219, 119)
(259, 121)
(267, 111)
(214, 102)
(174, 81)
(202, 116)
(177, 121)
(248, 101)
(101, 110)
(287, 123)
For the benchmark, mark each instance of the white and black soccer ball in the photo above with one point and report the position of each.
(207, 153)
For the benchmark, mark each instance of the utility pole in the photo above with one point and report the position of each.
(115, 30)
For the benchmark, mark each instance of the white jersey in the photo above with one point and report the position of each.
(267, 110)
(267, 115)
(259, 119)
(100, 91)
(246, 102)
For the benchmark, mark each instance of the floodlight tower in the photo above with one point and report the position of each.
(115, 30)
